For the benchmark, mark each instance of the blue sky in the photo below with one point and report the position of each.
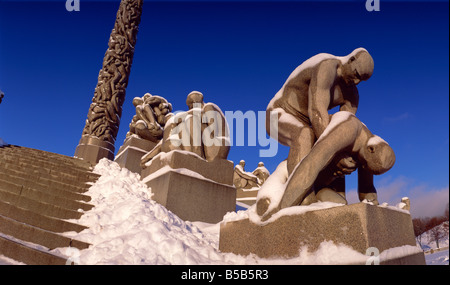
(238, 55)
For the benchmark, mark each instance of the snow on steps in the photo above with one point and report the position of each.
(39, 191)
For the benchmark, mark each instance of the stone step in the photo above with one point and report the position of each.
(46, 157)
(40, 153)
(36, 235)
(46, 163)
(39, 191)
(30, 180)
(43, 196)
(38, 206)
(63, 175)
(28, 255)
(38, 220)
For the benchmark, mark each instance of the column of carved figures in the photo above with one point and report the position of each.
(104, 114)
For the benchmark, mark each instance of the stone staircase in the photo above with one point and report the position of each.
(39, 192)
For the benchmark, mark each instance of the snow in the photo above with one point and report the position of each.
(374, 140)
(274, 186)
(8, 261)
(127, 227)
(428, 243)
(167, 156)
(437, 258)
(336, 120)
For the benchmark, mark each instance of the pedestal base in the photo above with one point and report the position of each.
(130, 153)
(359, 226)
(91, 149)
(192, 188)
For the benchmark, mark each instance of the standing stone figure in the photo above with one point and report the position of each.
(152, 113)
(102, 124)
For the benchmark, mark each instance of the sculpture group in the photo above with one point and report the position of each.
(249, 180)
(183, 156)
(325, 147)
(103, 118)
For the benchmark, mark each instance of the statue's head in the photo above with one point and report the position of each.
(242, 163)
(260, 164)
(138, 101)
(359, 66)
(377, 156)
(194, 97)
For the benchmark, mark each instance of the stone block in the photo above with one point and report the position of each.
(192, 198)
(191, 187)
(219, 170)
(358, 226)
(92, 149)
(130, 153)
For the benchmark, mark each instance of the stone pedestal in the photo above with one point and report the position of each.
(359, 226)
(247, 197)
(130, 153)
(191, 187)
(92, 149)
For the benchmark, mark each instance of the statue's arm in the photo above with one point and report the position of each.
(246, 175)
(319, 97)
(351, 101)
(366, 188)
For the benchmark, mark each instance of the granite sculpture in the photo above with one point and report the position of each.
(262, 173)
(103, 119)
(146, 130)
(317, 85)
(188, 169)
(201, 130)
(345, 138)
(243, 179)
(324, 148)
(152, 113)
(248, 183)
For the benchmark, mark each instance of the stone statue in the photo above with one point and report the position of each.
(152, 113)
(262, 173)
(345, 137)
(202, 130)
(243, 179)
(316, 86)
(102, 123)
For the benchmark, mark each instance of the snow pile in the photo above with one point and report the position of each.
(438, 258)
(127, 227)
(428, 242)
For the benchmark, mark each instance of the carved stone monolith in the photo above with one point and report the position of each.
(103, 119)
